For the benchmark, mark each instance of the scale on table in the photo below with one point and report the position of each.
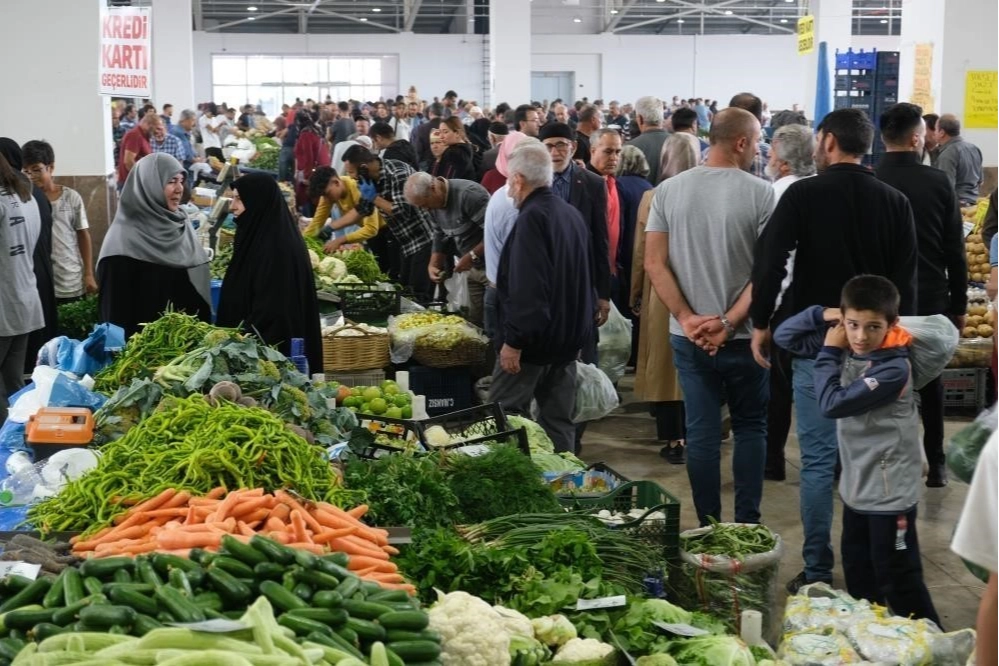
(68, 426)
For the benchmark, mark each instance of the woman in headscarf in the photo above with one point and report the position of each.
(21, 309)
(42, 258)
(269, 288)
(632, 183)
(151, 258)
(459, 157)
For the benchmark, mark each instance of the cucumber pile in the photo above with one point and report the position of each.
(315, 597)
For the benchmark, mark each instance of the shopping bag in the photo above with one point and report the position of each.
(934, 339)
(458, 299)
(596, 396)
(614, 347)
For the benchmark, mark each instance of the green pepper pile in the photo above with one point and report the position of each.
(189, 445)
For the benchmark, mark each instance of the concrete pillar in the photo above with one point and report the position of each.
(969, 45)
(53, 96)
(173, 55)
(510, 51)
(833, 25)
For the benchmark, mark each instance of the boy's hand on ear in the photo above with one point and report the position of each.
(832, 315)
(836, 337)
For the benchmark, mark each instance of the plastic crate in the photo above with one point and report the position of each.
(965, 387)
(662, 533)
(447, 389)
(864, 60)
(369, 303)
(404, 435)
(489, 418)
(595, 481)
(352, 379)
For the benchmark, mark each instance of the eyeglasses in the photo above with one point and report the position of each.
(560, 146)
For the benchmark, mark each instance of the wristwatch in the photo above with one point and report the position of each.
(472, 254)
(729, 328)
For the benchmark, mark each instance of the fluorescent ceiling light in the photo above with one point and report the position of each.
(576, 19)
(376, 9)
(728, 12)
(884, 20)
(363, 18)
(251, 8)
(679, 20)
(613, 11)
(783, 20)
(251, 19)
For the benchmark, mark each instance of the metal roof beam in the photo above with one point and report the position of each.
(348, 17)
(713, 10)
(698, 9)
(612, 23)
(199, 16)
(411, 9)
(215, 28)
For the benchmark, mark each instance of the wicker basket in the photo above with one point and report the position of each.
(466, 352)
(367, 351)
(224, 238)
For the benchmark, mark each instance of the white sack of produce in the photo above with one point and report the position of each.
(614, 347)
(596, 396)
(934, 339)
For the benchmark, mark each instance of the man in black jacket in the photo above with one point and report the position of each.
(545, 299)
(843, 223)
(943, 270)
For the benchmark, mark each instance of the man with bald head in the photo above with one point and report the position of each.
(959, 159)
(699, 242)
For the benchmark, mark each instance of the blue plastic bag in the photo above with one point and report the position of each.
(86, 357)
(69, 393)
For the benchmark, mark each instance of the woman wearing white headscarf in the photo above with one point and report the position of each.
(151, 258)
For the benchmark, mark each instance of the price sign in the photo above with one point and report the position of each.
(981, 108)
(806, 35)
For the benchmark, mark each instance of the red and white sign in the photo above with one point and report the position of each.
(126, 53)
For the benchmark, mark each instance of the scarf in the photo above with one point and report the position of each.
(145, 229)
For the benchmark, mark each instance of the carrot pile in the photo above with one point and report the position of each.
(175, 522)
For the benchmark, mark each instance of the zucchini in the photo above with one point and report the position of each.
(44, 630)
(268, 571)
(232, 591)
(280, 597)
(337, 642)
(408, 620)
(122, 576)
(379, 657)
(305, 559)
(338, 558)
(53, 598)
(272, 550)
(180, 607)
(367, 610)
(69, 614)
(332, 568)
(370, 587)
(93, 585)
(327, 599)
(411, 651)
(163, 562)
(328, 616)
(317, 579)
(11, 584)
(386, 596)
(397, 635)
(141, 588)
(303, 626)
(178, 580)
(104, 567)
(145, 572)
(107, 617)
(243, 552)
(144, 624)
(201, 556)
(140, 602)
(72, 586)
(32, 594)
(196, 577)
(302, 591)
(393, 658)
(233, 566)
(348, 586)
(366, 630)
(348, 634)
(25, 619)
(208, 601)
(10, 647)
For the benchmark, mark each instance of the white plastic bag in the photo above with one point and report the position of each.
(614, 348)
(458, 299)
(596, 396)
(934, 339)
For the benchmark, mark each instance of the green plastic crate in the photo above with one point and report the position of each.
(648, 496)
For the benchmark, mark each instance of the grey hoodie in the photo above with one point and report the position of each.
(877, 424)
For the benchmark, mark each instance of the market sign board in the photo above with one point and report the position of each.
(981, 99)
(125, 69)
(806, 35)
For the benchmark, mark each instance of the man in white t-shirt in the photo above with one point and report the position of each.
(211, 136)
(977, 541)
(72, 253)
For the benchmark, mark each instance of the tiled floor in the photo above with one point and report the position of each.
(626, 441)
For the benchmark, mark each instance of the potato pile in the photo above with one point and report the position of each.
(978, 259)
(981, 320)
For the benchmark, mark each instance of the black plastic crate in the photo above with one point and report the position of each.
(446, 389)
(965, 387)
(398, 436)
(487, 419)
(369, 303)
(888, 58)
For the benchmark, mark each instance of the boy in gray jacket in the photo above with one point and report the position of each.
(863, 380)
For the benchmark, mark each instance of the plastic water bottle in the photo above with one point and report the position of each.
(22, 488)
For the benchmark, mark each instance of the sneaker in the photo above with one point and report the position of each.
(937, 476)
(673, 453)
(800, 581)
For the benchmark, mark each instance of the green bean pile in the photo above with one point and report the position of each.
(731, 540)
(189, 445)
(157, 344)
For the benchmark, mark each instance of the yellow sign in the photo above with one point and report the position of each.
(981, 100)
(922, 93)
(806, 35)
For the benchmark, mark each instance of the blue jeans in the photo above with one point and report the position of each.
(732, 374)
(818, 444)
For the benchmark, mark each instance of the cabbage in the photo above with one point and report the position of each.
(557, 462)
(656, 660)
(553, 629)
(711, 651)
(537, 438)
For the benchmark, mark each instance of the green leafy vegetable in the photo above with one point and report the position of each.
(711, 651)
(77, 318)
(499, 483)
(403, 490)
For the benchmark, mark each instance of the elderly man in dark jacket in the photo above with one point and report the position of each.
(545, 299)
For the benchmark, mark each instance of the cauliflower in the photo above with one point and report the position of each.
(314, 259)
(472, 632)
(437, 436)
(516, 623)
(527, 651)
(553, 629)
(332, 267)
(583, 650)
